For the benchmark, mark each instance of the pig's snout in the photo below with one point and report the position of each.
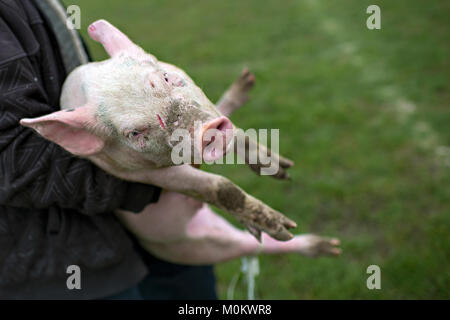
(217, 136)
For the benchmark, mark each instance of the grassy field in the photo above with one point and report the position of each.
(364, 114)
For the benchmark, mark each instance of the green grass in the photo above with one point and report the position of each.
(365, 171)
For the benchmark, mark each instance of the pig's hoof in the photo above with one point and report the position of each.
(246, 80)
(280, 230)
(316, 246)
(282, 175)
(276, 226)
(284, 164)
(282, 233)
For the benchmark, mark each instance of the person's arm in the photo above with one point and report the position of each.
(35, 172)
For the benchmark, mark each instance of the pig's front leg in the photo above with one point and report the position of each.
(237, 94)
(260, 152)
(233, 98)
(213, 189)
(221, 192)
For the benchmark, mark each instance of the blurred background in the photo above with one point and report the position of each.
(365, 115)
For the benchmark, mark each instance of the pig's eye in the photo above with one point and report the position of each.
(166, 77)
(133, 134)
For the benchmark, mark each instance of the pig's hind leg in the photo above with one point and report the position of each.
(164, 221)
(183, 230)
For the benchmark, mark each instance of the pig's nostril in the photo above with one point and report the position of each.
(215, 144)
(213, 138)
(222, 126)
(210, 141)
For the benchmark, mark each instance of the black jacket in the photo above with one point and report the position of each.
(55, 208)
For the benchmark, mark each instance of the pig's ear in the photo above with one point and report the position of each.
(68, 128)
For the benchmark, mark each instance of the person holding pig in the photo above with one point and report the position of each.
(62, 207)
(56, 210)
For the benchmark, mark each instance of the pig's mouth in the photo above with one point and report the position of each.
(217, 137)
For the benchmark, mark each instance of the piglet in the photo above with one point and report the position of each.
(183, 230)
(121, 114)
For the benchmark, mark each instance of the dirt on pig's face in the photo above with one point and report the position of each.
(141, 102)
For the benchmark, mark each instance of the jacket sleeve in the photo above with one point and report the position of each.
(36, 173)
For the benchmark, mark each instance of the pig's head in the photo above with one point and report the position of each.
(130, 105)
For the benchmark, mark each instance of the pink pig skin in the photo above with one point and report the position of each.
(183, 230)
(120, 113)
